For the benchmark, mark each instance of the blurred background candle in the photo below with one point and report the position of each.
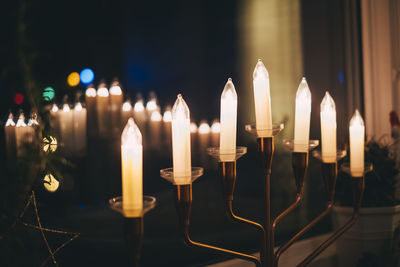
(116, 99)
(132, 170)
(215, 133)
(9, 131)
(126, 112)
(328, 129)
(33, 123)
(151, 105)
(227, 140)
(21, 131)
(357, 136)
(103, 111)
(262, 100)
(140, 115)
(90, 99)
(181, 142)
(167, 119)
(66, 128)
(155, 129)
(204, 135)
(79, 118)
(302, 117)
(55, 120)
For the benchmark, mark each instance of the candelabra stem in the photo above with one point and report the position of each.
(183, 201)
(227, 172)
(265, 146)
(329, 174)
(358, 190)
(133, 228)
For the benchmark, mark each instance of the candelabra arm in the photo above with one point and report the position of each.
(183, 201)
(133, 228)
(295, 204)
(358, 190)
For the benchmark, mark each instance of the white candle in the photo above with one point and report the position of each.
(227, 137)
(116, 98)
(132, 170)
(155, 129)
(215, 133)
(55, 120)
(181, 142)
(328, 129)
(32, 126)
(90, 99)
(167, 119)
(262, 100)
(21, 132)
(103, 111)
(357, 136)
(9, 130)
(66, 128)
(79, 119)
(302, 117)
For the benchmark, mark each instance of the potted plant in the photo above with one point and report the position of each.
(375, 238)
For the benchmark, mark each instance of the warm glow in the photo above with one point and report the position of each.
(21, 121)
(302, 117)
(78, 106)
(216, 127)
(167, 117)
(204, 128)
(102, 91)
(357, 136)
(156, 116)
(151, 105)
(182, 165)
(50, 183)
(54, 108)
(66, 108)
(115, 90)
(10, 120)
(139, 107)
(132, 170)
(262, 99)
(228, 116)
(193, 127)
(328, 129)
(127, 106)
(33, 120)
(91, 92)
(73, 79)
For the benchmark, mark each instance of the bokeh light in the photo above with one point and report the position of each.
(18, 99)
(73, 79)
(193, 127)
(204, 128)
(87, 76)
(216, 127)
(49, 144)
(48, 93)
(50, 183)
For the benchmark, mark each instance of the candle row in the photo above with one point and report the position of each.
(181, 129)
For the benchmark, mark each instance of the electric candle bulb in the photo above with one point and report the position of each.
(21, 134)
(328, 129)
(10, 120)
(139, 107)
(227, 138)
(103, 111)
(216, 127)
(115, 89)
(67, 127)
(132, 170)
(91, 92)
(102, 91)
(262, 100)
(151, 105)
(33, 120)
(357, 136)
(204, 128)
(79, 124)
(90, 99)
(156, 116)
(66, 108)
(54, 108)
(193, 127)
(127, 106)
(78, 106)
(21, 121)
(167, 117)
(302, 117)
(181, 142)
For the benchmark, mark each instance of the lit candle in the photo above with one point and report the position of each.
(302, 117)
(204, 140)
(227, 137)
(357, 136)
(20, 134)
(103, 111)
(152, 103)
(116, 98)
(155, 129)
(55, 120)
(66, 128)
(262, 100)
(90, 99)
(32, 126)
(181, 142)
(328, 129)
(167, 119)
(215, 133)
(132, 170)
(79, 119)
(9, 130)
(126, 112)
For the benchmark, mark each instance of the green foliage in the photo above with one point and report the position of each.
(380, 184)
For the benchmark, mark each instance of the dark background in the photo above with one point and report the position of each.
(167, 47)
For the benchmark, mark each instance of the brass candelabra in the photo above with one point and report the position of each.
(269, 256)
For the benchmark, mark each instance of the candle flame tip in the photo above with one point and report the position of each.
(229, 79)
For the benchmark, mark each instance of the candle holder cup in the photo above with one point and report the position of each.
(183, 203)
(133, 226)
